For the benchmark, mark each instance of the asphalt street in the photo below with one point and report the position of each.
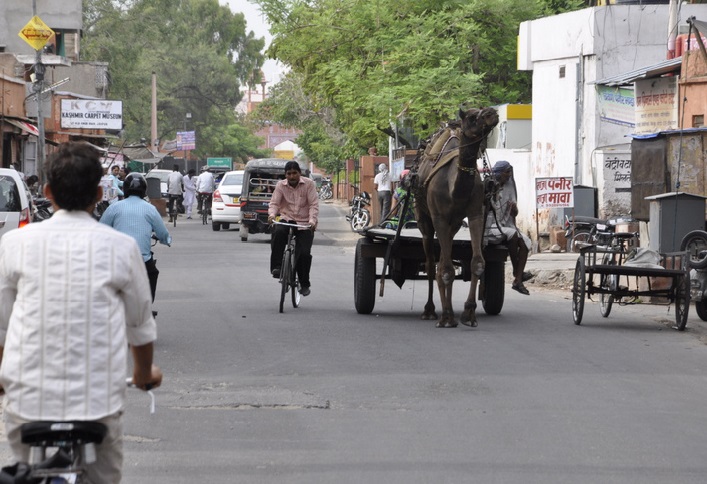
(323, 394)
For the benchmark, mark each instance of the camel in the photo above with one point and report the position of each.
(449, 188)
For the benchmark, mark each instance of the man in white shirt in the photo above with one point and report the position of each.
(381, 182)
(205, 189)
(73, 294)
(189, 191)
(175, 190)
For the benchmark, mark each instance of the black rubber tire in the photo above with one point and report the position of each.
(608, 282)
(216, 226)
(364, 280)
(296, 296)
(578, 291)
(695, 242)
(607, 301)
(579, 236)
(701, 309)
(243, 232)
(284, 280)
(494, 287)
(682, 302)
(225, 226)
(360, 220)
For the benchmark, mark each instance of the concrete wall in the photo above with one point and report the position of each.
(57, 14)
(567, 53)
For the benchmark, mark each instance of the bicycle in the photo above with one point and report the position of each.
(288, 274)
(205, 207)
(173, 209)
(75, 443)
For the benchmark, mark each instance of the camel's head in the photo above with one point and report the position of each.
(478, 122)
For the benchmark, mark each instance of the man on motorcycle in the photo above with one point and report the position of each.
(139, 219)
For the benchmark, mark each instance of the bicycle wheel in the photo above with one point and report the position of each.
(609, 283)
(294, 286)
(285, 275)
(682, 302)
(174, 218)
(578, 291)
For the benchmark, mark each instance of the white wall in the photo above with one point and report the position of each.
(592, 44)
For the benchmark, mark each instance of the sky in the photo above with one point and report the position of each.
(255, 21)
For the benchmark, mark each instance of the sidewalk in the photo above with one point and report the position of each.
(552, 270)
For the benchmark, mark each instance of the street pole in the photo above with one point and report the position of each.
(38, 82)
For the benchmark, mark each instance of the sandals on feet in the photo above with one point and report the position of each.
(520, 288)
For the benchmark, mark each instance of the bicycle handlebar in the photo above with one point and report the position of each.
(287, 224)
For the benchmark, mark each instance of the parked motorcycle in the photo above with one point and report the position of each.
(589, 230)
(42, 209)
(695, 243)
(360, 217)
(326, 192)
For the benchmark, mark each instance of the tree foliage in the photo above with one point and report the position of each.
(384, 61)
(201, 54)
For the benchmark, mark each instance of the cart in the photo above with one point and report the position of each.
(603, 271)
(404, 258)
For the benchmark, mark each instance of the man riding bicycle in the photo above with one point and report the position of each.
(175, 189)
(205, 189)
(295, 199)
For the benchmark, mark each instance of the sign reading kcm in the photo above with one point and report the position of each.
(92, 114)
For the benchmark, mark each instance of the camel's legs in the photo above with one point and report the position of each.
(445, 276)
(476, 232)
(425, 226)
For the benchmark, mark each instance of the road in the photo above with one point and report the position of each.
(321, 394)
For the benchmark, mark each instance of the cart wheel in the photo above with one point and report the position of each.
(364, 280)
(682, 302)
(695, 243)
(701, 308)
(578, 291)
(607, 300)
(494, 287)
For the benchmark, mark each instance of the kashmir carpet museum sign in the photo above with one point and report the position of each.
(91, 114)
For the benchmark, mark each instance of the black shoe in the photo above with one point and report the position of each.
(304, 290)
(520, 288)
(154, 314)
(527, 276)
(276, 273)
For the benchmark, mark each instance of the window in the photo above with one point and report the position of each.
(562, 72)
(698, 120)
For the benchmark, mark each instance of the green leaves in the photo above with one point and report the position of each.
(200, 51)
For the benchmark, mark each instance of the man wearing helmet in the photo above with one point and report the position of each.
(136, 217)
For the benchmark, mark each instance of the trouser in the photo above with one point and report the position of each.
(189, 197)
(384, 199)
(109, 454)
(203, 200)
(303, 251)
(152, 274)
(171, 205)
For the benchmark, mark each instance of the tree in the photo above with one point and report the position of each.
(201, 53)
(372, 61)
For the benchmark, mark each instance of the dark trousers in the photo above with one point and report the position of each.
(303, 251)
(152, 274)
(385, 198)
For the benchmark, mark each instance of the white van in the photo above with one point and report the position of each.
(226, 206)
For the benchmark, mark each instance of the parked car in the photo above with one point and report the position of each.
(15, 201)
(226, 206)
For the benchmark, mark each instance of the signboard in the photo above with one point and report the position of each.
(656, 105)
(186, 140)
(617, 105)
(36, 33)
(92, 114)
(225, 162)
(557, 192)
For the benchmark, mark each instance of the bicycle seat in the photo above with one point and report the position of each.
(48, 433)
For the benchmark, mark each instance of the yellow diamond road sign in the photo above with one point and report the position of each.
(36, 33)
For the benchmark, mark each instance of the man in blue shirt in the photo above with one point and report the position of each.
(137, 218)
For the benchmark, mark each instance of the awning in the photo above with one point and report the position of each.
(655, 70)
(24, 126)
(139, 153)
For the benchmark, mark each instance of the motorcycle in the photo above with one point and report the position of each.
(42, 209)
(360, 217)
(589, 230)
(695, 243)
(325, 192)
